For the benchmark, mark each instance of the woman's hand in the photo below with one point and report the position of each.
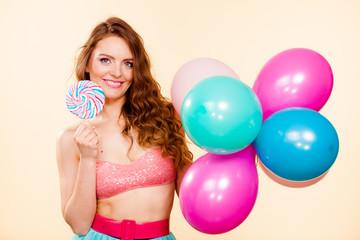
(87, 141)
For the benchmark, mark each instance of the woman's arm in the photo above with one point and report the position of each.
(181, 170)
(179, 177)
(76, 154)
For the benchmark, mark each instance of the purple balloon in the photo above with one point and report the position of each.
(218, 192)
(194, 72)
(296, 77)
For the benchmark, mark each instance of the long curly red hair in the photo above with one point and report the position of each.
(145, 110)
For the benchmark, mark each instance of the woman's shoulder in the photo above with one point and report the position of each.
(68, 132)
(65, 142)
(65, 137)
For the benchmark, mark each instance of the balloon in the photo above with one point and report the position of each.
(218, 192)
(297, 144)
(193, 72)
(221, 115)
(296, 77)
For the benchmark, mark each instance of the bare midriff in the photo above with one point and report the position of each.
(146, 204)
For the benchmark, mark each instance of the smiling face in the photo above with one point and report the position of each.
(111, 66)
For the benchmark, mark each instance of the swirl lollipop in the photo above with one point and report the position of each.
(85, 99)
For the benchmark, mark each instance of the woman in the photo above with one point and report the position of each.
(118, 173)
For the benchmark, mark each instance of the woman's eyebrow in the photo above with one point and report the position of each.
(106, 55)
(110, 56)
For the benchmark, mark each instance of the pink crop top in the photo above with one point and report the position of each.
(151, 169)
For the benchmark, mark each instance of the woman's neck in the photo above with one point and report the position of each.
(112, 109)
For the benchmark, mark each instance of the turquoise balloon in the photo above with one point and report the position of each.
(297, 144)
(221, 115)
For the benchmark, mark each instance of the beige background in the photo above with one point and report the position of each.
(39, 40)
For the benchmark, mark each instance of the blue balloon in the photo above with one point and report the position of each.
(221, 115)
(297, 144)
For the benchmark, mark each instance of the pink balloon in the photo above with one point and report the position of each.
(218, 192)
(296, 77)
(193, 72)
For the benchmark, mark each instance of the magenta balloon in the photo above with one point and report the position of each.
(193, 72)
(218, 192)
(296, 77)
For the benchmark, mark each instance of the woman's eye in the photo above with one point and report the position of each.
(105, 60)
(128, 64)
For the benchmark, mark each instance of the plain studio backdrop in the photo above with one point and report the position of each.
(39, 40)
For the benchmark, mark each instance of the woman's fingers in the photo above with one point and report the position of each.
(84, 133)
(87, 141)
(82, 130)
(94, 141)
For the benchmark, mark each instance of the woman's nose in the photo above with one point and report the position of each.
(116, 70)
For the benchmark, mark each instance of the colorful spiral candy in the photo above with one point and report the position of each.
(85, 99)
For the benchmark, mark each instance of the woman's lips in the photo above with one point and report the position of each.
(113, 83)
